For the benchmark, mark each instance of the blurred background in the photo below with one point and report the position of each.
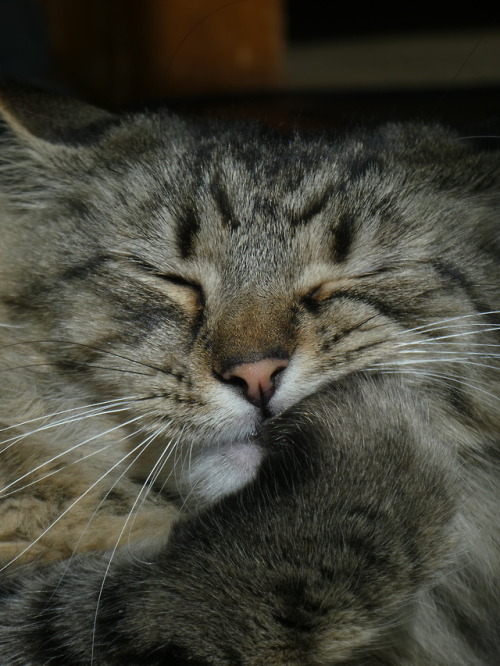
(288, 62)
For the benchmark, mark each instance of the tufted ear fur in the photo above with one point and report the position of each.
(31, 112)
(43, 140)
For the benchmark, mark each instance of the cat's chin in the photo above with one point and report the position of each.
(220, 471)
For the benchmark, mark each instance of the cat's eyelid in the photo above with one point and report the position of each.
(169, 276)
(172, 277)
(175, 279)
(324, 290)
(179, 280)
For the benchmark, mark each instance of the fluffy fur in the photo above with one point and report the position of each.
(346, 515)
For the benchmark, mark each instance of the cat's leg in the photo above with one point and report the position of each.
(325, 558)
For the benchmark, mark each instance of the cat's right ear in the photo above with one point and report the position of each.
(35, 115)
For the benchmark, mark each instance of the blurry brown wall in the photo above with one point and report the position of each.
(124, 51)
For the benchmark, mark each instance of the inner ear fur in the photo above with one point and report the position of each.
(52, 117)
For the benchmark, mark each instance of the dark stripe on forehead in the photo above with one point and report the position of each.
(343, 237)
(359, 168)
(312, 208)
(223, 204)
(455, 276)
(362, 165)
(82, 271)
(188, 225)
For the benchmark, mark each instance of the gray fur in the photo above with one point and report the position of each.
(353, 518)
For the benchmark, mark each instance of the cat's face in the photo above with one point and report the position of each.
(211, 280)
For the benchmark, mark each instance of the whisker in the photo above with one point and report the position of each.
(28, 366)
(452, 378)
(123, 403)
(176, 453)
(75, 502)
(150, 439)
(432, 341)
(85, 346)
(144, 443)
(159, 465)
(11, 441)
(437, 360)
(479, 136)
(455, 335)
(150, 480)
(73, 462)
(445, 351)
(66, 451)
(55, 471)
(449, 319)
(192, 490)
(71, 409)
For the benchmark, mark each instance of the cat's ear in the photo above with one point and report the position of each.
(43, 139)
(35, 114)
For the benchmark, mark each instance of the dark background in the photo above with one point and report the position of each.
(25, 55)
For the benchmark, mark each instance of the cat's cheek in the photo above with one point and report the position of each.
(223, 471)
(300, 380)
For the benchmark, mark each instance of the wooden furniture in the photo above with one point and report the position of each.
(120, 52)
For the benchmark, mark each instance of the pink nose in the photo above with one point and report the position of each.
(257, 379)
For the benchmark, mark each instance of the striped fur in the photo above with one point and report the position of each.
(149, 512)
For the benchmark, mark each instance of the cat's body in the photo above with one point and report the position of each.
(294, 339)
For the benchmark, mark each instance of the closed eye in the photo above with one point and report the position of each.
(179, 280)
(171, 278)
(342, 285)
(326, 291)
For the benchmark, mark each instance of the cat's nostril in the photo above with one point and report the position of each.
(257, 379)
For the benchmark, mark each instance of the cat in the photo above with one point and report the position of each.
(249, 392)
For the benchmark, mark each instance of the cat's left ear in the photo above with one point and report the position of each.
(33, 113)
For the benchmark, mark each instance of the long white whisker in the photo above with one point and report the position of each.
(71, 409)
(171, 447)
(11, 441)
(102, 410)
(444, 351)
(420, 361)
(452, 378)
(49, 474)
(446, 321)
(454, 335)
(463, 353)
(158, 466)
(192, 489)
(66, 451)
(434, 341)
(91, 487)
(144, 445)
(73, 462)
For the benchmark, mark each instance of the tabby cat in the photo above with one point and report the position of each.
(249, 393)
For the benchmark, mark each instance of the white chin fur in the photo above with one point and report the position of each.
(221, 471)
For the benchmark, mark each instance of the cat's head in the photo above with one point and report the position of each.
(213, 276)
